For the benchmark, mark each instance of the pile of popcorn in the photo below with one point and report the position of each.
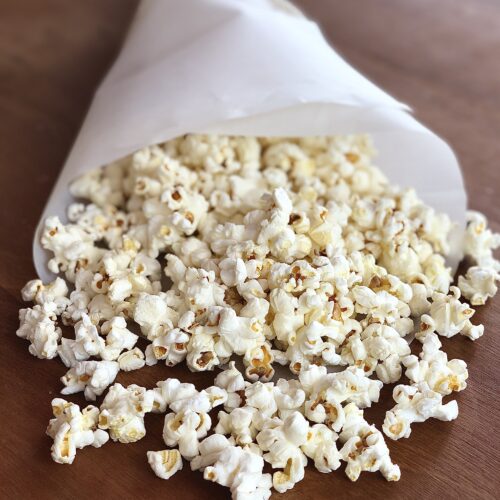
(292, 252)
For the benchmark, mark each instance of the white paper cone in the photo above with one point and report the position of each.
(244, 67)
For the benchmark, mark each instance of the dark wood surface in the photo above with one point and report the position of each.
(440, 57)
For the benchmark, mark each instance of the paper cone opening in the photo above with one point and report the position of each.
(247, 68)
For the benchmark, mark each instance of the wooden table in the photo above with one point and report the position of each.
(440, 57)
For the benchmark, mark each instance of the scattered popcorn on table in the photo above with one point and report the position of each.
(277, 252)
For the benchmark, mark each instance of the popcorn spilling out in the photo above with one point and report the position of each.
(290, 252)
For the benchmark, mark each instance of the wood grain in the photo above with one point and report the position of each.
(440, 57)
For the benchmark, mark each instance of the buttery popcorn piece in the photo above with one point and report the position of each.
(53, 293)
(282, 441)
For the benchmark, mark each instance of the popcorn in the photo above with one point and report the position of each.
(479, 284)
(350, 385)
(232, 271)
(286, 251)
(92, 377)
(100, 309)
(232, 381)
(86, 343)
(364, 447)
(321, 447)
(117, 338)
(122, 412)
(448, 313)
(38, 325)
(209, 450)
(381, 306)
(202, 354)
(441, 375)
(419, 303)
(53, 293)
(72, 429)
(171, 347)
(416, 403)
(165, 463)
(323, 407)
(481, 241)
(71, 246)
(185, 429)
(131, 360)
(183, 397)
(259, 363)
(261, 397)
(201, 289)
(238, 469)
(153, 315)
(241, 471)
(289, 396)
(100, 186)
(308, 347)
(378, 348)
(238, 334)
(472, 331)
(282, 441)
(170, 390)
(79, 301)
(239, 424)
